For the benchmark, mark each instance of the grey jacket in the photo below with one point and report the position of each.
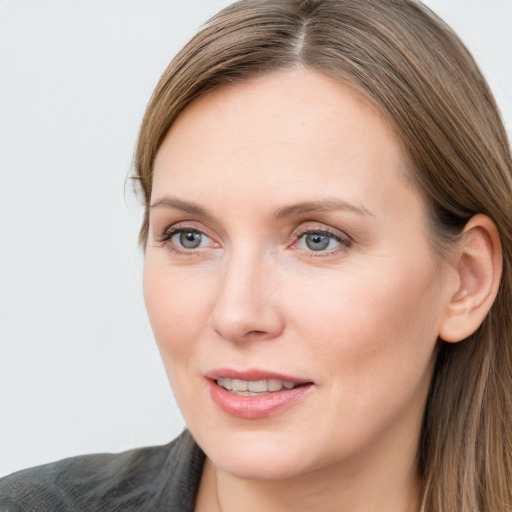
(156, 479)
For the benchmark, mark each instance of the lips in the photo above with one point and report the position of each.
(255, 394)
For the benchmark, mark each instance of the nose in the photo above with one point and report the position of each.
(246, 306)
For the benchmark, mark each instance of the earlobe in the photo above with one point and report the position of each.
(478, 261)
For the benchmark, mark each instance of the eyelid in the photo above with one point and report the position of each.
(184, 225)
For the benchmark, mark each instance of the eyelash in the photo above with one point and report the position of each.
(344, 240)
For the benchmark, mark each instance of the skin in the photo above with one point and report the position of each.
(360, 320)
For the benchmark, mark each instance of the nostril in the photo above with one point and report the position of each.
(255, 334)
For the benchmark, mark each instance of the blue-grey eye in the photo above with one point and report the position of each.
(188, 239)
(317, 241)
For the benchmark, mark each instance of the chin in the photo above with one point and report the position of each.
(262, 465)
(257, 454)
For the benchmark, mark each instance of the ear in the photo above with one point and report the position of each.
(478, 263)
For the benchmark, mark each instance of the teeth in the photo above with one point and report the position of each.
(257, 386)
(225, 383)
(254, 387)
(274, 385)
(239, 385)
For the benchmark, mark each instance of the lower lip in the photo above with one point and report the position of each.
(256, 407)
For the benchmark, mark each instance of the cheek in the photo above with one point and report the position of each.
(369, 323)
(178, 312)
(177, 306)
(371, 337)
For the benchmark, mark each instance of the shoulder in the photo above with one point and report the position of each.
(146, 479)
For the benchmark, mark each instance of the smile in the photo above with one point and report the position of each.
(255, 394)
(255, 387)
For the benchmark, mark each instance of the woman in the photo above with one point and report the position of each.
(327, 272)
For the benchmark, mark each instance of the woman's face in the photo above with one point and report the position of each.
(287, 249)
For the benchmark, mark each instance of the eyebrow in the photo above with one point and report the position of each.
(178, 204)
(280, 213)
(320, 206)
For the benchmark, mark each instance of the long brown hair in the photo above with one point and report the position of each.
(408, 63)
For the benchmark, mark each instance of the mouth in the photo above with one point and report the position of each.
(256, 394)
(255, 387)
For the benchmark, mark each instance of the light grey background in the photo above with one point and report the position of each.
(79, 370)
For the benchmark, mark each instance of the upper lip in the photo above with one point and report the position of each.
(252, 374)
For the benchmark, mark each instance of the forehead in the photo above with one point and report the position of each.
(285, 130)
